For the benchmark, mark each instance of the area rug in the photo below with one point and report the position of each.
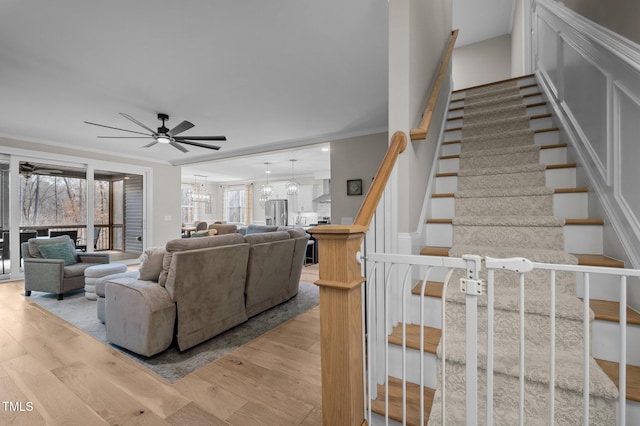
(173, 364)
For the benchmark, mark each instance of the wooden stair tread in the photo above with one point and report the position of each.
(432, 289)
(561, 166)
(633, 377)
(395, 401)
(435, 251)
(607, 310)
(431, 337)
(598, 260)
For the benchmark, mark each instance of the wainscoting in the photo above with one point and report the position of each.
(592, 78)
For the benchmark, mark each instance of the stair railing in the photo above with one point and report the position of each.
(341, 314)
(422, 130)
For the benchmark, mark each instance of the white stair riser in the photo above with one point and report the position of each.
(586, 239)
(553, 156)
(432, 311)
(555, 178)
(561, 178)
(439, 234)
(458, 115)
(413, 366)
(443, 208)
(605, 342)
(565, 205)
(448, 165)
(633, 413)
(601, 287)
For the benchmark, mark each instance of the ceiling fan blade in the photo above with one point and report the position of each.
(125, 137)
(115, 128)
(128, 117)
(201, 138)
(185, 125)
(175, 145)
(201, 145)
(150, 144)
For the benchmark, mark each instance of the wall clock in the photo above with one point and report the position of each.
(354, 187)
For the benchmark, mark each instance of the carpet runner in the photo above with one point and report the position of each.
(504, 209)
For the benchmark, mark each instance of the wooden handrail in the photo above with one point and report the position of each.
(370, 203)
(421, 131)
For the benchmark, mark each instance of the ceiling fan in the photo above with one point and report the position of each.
(27, 169)
(164, 135)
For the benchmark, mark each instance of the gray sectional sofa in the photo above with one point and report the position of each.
(201, 287)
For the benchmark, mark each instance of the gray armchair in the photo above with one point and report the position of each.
(44, 272)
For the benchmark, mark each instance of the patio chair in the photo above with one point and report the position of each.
(52, 267)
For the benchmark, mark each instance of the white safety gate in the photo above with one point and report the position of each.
(387, 295)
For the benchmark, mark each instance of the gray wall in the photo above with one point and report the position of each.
(419, 31)
(353, 158)
(620, 16)
(482, 62)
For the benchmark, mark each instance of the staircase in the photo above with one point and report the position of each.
(551, 181)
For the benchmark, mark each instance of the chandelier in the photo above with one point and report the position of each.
(292, 186)
(199, 194)
(266, 190)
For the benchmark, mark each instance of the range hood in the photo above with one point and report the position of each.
(326, 192)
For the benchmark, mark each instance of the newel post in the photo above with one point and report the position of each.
(341, 323)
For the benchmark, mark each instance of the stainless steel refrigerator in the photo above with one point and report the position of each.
(276, 212)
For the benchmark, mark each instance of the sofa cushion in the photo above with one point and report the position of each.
(223, 228)
(266, 237)
(182, 244)
(255, 229)
(59, 250)
(151, 264)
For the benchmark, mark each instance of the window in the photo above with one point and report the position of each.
(235, 208)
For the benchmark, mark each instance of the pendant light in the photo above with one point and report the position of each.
(293, 188)
(266, 190)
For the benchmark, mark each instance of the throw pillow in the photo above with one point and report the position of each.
(58, 251)
(151, 264)
(199, 234)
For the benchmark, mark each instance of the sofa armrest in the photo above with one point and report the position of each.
(93, 257)
(43, 274)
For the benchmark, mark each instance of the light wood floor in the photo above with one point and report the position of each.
(68, 377)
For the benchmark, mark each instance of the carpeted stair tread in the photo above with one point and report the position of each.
(480, 103)
(534, 255)
(509, 221)
(513, 138)
(491, 94)
(500, 112)
(500, 151)
(505, 192)
(520, 168)
(506, 361)
(496, 127)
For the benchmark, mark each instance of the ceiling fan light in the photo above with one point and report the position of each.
(163, 139)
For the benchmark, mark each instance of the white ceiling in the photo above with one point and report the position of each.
(268, 75)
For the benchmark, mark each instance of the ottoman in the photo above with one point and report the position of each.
(92, 273)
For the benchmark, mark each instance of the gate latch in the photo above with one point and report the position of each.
(472, 287)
